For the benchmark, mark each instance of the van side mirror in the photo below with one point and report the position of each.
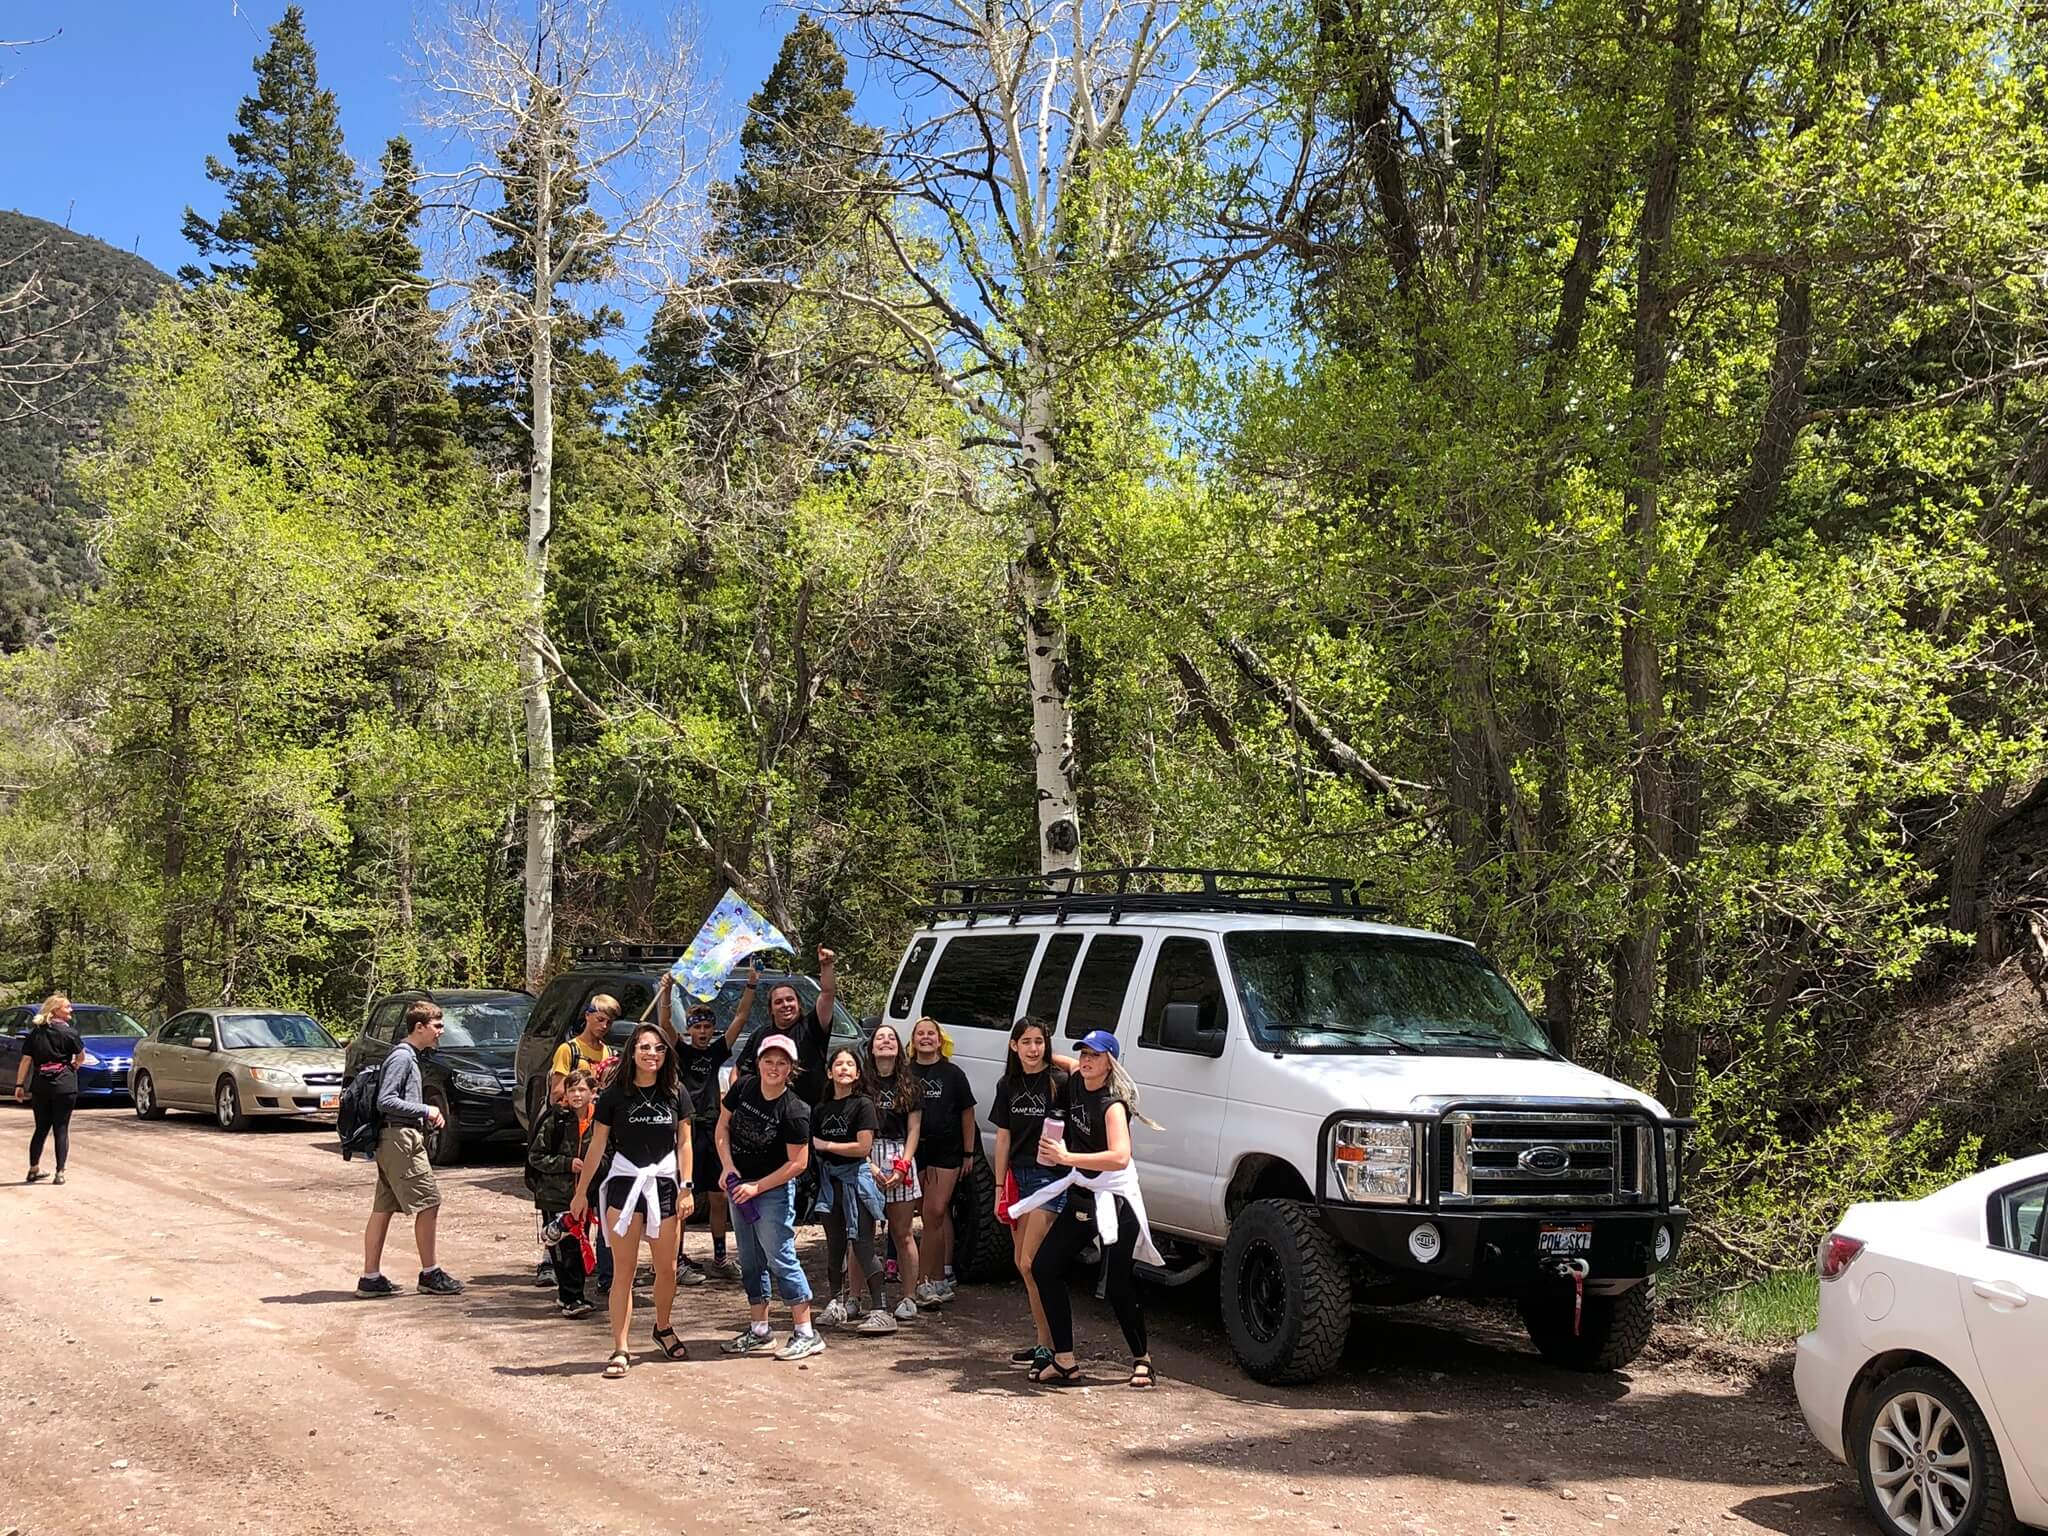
(1180, 1029)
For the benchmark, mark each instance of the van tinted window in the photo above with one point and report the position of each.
(1049, 989)
(976, 981)
(1185, 972)
(913, 972)
(558, 1013)
(1098, 1000)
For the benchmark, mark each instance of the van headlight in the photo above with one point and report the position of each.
(1373, 1162)
(1674, 1150)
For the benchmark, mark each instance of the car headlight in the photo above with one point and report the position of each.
(474, 1082)
(275, 1077)
(1373, 1162)
(89, 1059)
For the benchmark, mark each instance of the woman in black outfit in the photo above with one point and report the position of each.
(51, 1054)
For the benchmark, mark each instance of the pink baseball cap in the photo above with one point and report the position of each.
(780, 1043)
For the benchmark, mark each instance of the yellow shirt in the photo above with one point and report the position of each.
(573, 1055)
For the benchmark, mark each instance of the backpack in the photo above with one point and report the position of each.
(357, 1121)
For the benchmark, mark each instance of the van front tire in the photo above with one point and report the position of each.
(1286, 1293)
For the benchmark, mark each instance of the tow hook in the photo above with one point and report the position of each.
(1578, 1269)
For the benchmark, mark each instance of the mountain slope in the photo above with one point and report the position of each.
(73, 292)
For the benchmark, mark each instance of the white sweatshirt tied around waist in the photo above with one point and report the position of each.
(1105, 1185)
(644, 1193)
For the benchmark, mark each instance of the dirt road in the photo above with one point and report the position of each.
(180, 1350)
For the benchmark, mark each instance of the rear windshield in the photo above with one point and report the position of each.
(1361, 993)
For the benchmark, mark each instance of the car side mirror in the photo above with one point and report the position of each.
(203, 1043)
(1180, 1028)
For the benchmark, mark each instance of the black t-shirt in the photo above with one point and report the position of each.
(844, 1120)
(642, 1121)
(946, 1093)
(811, 1038)
(764, 1129)
(1020, 1107)
(50, 1049)
(894, 1123)
(699, 1071)
(1088, 1115)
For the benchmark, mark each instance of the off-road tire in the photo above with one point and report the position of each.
(1989, 1511)
(1286, 1293)
(1612, 1331)
(147, 1105)
(228, 1113)
(982, 1254)
(444, 1142)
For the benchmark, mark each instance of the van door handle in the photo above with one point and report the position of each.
(1999, 1291)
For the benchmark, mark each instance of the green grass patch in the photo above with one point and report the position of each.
(1773, 1310)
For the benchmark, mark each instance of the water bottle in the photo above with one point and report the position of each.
(743, 1209)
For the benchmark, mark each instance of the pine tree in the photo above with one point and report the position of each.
(287, 227)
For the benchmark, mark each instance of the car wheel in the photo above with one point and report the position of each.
(1611, 1331)
(1926, 1460)
(227, 1106)
(146, 1106)
(1286, 1292)
(982, 1253)
(444, 1141)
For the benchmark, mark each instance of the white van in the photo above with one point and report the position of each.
(1353, 1112)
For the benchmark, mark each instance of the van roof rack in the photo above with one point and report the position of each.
(625, 954)
(1148, 888)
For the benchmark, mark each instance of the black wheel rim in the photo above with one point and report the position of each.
(1262, 1291)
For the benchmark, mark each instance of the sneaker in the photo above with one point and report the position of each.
(728, 1269)
(376, 1285)
(948, 1289)
(906, 1311)
(928, 1294)
(544, 1272)
(573, 1309)
(834, 1315)
(802, 1346)
(438, 1282)
(1025, 1355)
(689, 1274)
(876, 1321)
(748, 1342)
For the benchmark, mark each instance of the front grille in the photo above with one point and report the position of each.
(321, 1079)
(1545, 1158)
(507, 1079)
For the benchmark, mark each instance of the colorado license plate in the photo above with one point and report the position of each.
(330, 1101)
(1564, 1240)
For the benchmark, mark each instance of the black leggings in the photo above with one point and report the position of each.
(864, 1255)
(53, 1119)
(1072, 1231)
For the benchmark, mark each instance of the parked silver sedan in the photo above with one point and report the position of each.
(236, 1064)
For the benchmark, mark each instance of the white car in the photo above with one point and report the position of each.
(1928, 1370)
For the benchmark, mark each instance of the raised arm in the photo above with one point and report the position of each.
(828, 991)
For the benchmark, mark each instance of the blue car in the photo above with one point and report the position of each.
(109, 1036)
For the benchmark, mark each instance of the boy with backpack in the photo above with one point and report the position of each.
(554, 1170)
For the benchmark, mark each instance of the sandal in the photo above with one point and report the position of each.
(671, 1344)
(617, 1365)
(1053, 1374)
(1143, 1377)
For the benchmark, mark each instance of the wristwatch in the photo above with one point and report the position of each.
(690, 1185)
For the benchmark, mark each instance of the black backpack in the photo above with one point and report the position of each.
(357, 1121)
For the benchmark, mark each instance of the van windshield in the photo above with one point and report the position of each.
(1359, 993)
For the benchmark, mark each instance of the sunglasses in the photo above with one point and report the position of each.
(653, 1045)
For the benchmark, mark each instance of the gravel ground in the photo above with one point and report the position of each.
(181, 1350)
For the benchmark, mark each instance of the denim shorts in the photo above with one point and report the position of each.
(1032, 1176)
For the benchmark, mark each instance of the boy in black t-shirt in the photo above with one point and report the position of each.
(700, 1051)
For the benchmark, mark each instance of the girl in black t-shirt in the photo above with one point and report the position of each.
(945, 1151)
(640, 1136)
(891, 1082)
(51, 1054)
(764, 1145)
(1031, 1089)
(843, 1128)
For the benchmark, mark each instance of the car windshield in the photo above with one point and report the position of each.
(105, 1021)
(1357, 993)
(486, 1021)
(269, 1031)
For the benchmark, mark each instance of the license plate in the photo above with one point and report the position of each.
(1566, 1240)
(330, 1101)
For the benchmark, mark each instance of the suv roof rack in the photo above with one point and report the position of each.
(1148, 888)
(625, 954)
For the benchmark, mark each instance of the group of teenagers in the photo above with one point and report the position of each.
(633, 1141)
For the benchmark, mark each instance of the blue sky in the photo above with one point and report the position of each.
(108, 125)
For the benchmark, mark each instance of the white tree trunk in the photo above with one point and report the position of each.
(533, 670)
(1036, 580)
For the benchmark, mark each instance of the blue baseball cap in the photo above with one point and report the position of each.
(1102, 1042)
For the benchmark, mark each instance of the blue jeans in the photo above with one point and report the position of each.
(768, 1246)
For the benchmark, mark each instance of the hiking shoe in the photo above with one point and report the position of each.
(876, 1321)
(748, 1342)
(544, 1273)
(689, 1274)
(438, 1282)
(802, 1346)
(834, 1315)
(928, 1294)
(573, 1309)
(906, 1311)
(376, 1285)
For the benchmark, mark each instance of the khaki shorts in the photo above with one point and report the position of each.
(405, 1179)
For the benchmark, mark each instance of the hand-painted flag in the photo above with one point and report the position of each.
(733, 931)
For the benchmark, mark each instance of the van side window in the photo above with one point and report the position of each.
(1050, 987)
(976, 981)
(1098, 1000)
(1185, 972)
(914, 963)
(558, 1014)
